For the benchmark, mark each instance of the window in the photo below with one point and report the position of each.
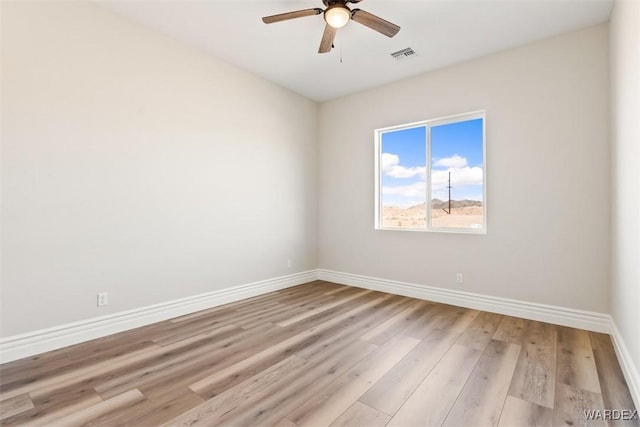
(441, 161)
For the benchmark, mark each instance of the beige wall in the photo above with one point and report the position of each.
(625, 127)
(548, 176)
(134, 164)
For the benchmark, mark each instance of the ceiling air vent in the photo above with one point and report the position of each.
(404, 54)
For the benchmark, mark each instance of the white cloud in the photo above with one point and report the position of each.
(417, 189)
(466, 181)
(454, 161)
(459, 177)
(389, 161)
(391, 167)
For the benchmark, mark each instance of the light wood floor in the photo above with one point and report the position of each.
(322, 354)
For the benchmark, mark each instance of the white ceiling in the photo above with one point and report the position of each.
(442, 32)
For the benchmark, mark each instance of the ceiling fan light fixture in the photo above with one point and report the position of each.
(337, 15)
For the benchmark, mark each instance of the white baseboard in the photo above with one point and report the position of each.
(29, 344)
(629, 368)
(591, 321)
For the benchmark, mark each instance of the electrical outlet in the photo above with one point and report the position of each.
(459, 279)
(103, 299)
(288, 263)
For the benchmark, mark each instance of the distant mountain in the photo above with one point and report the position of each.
(441, 204)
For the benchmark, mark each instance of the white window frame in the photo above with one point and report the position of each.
(481, 114)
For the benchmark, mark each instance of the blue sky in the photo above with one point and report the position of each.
(455, 148)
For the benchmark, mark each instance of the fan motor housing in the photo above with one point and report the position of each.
(330, 2)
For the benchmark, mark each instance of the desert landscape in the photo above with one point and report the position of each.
(464, 214)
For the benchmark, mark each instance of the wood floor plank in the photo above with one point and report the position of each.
(382, 333)
(217, 382)
(274, 400)
(135, 361)
(318, 318)
(478, 334)
(571, 404)
(225, 355)
(220, 380)
(436, 316)
(162, 367)
(310, 303)
(237, 317)
(255, 303)
(259, 341)
(167, 406)
(15, 406)
(322, 307)
(576, 363)
(432, 400)
(535, 377)
(76, 357)
(107, 350)
(152, 411)
(394, 388)
(304, 296)
(481, 400)
(215, 408)
(461, 319)
(360, 415)
(56, 362)
(338, 289)
(601, 341)
(248, 367)
(255, 308)
(258, 315)
(268, 316)
(46, 412)
(518, 412)
(85, 415)
(25, 371)
(511, 329)
(127, 361)
(301, 307)
(298, 390)
(615, 392)
(124, 416)
(182, 334)
(338, 396)
(353, 328)
(9, 371)
(284, 423)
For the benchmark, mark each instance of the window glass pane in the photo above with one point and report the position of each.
(457, 175)
(403, 168)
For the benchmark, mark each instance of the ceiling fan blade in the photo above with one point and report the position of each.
(291, 15)
(354, 1)
(327, 39)
(374, 22)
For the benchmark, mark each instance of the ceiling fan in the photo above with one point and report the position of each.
(336, 15)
